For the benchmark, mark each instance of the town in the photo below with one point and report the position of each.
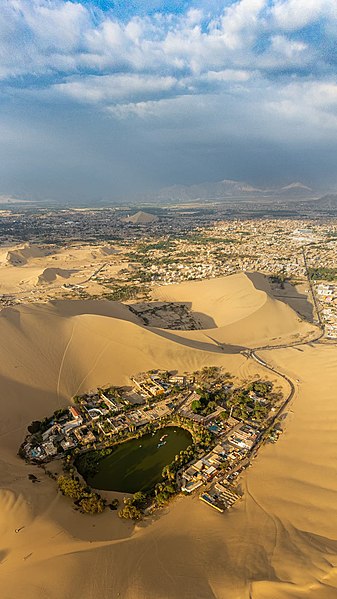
(105, 254)
(227, 424)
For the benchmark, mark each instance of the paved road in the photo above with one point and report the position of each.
(93, 274)
(252, 352)
(313, 294)
(286, 378)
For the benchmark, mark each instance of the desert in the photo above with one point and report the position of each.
(279, 540)
(168, 299)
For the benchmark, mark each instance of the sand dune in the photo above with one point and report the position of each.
(107, 250)
(50, 352)
(22, 255)
(279, 542)
(37, 271)
(238, 310)
(225, 300)
(49, 275)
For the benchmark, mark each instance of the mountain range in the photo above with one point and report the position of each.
(228, 189)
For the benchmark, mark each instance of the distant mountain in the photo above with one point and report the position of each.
(327, 202)
(296, 187)
(141, 218)
(229, 189)
(206, 191)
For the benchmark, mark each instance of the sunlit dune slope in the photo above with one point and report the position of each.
(27, 270)
(217, 302)
(236, 311)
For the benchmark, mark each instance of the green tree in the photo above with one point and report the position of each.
(93, 504)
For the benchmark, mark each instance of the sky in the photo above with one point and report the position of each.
(104, 100)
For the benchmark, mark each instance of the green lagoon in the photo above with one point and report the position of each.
(137, 465)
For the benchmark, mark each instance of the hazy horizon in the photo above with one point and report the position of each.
(101, 102)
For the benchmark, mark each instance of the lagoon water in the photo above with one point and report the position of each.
(137, 465)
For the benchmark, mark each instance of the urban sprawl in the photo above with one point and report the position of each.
(135, 254)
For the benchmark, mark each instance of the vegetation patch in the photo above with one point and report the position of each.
(321, 273)
(88, 501)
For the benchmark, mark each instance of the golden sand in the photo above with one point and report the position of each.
(279, 542)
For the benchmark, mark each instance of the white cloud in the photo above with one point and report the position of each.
(108, 88)
(240, 23)
(310, 107)
(41, 37)
(295, 14)
(229, 75)
(142, 109)
(152, 66)
(55, 25)
(288, 49)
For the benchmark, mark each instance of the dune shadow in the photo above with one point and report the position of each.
(12, 315)
(206, 321)
(215, 347)
(173, 315)
(321, 543)
(24, 397)
(285, 292)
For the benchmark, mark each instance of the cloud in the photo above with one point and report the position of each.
(240, 22)
(199, 74)
(113, 88)
(307, 102)
(296, 14)
(62, 38)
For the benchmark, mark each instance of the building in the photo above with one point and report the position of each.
(148, 387)
(75, 413)
(49, 448)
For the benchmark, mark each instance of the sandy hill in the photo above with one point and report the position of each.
(51, 351)
(141, 218)
(49, 275)
(22, 255)
(107, 250)
(326, 203)
(278, 542)
(238, 310)
(24, 270)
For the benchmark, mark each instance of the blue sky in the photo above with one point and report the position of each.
(105, 99)
(125, 10)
